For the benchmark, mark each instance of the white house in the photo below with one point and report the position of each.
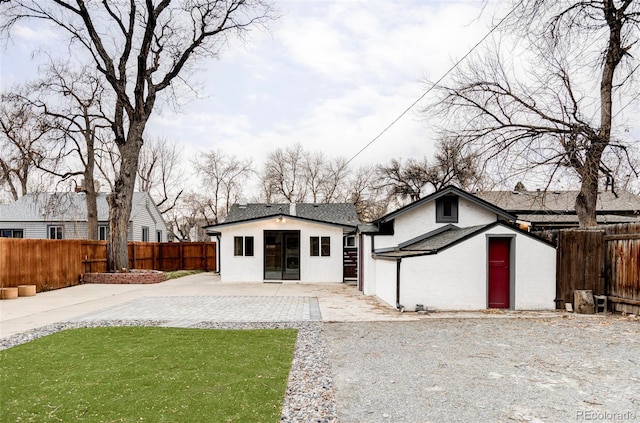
(63, 215)
(454, 251)
(287, 242)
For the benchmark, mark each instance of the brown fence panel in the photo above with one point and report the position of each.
(169, 257)
(623, 267)
(580, 264)
(187, 256)
(142, 255)
(48, 264)
(94, 256)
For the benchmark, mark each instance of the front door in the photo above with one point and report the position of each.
(499, 272)
(282, 255)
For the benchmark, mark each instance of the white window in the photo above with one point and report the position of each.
(145, 234)
(103, 231)
(159, 236)
(56, 232)
(350, 241)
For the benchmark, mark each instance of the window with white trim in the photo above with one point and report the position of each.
(55, 232)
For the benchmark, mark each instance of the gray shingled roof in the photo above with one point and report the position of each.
(559, 201)
(337, 213)
(62, 206)
(434, 241)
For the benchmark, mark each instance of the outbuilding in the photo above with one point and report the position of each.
(452, 250)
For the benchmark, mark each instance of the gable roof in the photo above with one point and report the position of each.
(65, 207)
(442, 238)
(449, 190)
(342, 214)
(560, 202)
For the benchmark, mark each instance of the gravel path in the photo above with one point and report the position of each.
(487, 370)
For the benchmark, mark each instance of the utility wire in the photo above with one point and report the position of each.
(405, 111)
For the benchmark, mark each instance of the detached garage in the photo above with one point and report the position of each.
(454, 251)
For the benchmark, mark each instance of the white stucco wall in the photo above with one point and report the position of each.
(386, 281)
(251, 269)
(456, 278)
(422, 219)
(368, 268)
(536, 275)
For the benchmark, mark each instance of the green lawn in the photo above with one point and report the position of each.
(147, 374)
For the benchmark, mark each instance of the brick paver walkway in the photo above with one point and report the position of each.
(186, 311)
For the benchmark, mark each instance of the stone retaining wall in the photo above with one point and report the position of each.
(131, 277)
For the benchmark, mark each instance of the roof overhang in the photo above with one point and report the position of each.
(281, 217)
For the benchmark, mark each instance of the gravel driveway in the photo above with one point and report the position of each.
(487, 370)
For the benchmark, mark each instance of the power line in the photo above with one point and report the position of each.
(405, 111)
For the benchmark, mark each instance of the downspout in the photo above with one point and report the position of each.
(218, 258)
(399, 306)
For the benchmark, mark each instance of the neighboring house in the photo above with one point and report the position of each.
(293, 242)
(452, 250)
(541, 210)
(63, 215)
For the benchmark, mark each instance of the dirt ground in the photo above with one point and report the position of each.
(560, 369)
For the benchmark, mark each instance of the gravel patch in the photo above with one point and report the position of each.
(310, 395)
(487, 370)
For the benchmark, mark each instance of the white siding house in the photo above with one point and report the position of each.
(454, 251)
(283, 242)
(64, 216)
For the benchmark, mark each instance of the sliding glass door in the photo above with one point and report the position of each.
(282, 255)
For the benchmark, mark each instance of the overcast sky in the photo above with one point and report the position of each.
(329, 74)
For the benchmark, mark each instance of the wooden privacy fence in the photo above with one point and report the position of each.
(165, 256)
(52, 264)
(605, 260)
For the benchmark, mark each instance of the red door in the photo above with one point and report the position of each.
(499, 272)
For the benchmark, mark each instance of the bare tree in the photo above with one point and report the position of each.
(284, 177)
(455, 165)
(73, 102)
(408, 180)
(185, 221)
(370, 201)
(557, 110)
(222, 180)
(159, 173)
(22, 147)
(141, 49)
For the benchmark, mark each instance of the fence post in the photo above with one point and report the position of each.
(204, 257)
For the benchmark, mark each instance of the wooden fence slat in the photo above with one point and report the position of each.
(53, 264)
(608, 264)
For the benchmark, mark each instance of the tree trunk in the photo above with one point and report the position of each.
(90, 190)
(120, 199)
(587, 198)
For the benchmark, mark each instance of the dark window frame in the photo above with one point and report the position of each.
(59, 231)
(320, 246)
(447, 209)
(243, 246)
(12, 232)
(103, 229)
(249, 246)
